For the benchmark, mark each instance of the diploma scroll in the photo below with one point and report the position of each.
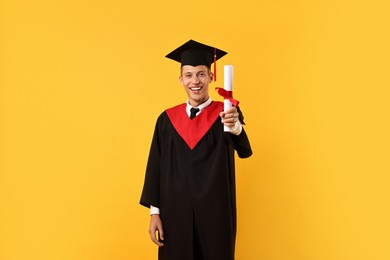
(228, 86)
(227, 92)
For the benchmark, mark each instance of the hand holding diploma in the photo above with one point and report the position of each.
(229, 116)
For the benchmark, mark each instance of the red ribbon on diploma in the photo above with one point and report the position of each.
(227, 95)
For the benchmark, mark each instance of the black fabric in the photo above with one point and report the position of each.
(198, 251)
(195, 191)
(193, 111)
(195, 53)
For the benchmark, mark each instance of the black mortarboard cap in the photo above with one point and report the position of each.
(195, 53)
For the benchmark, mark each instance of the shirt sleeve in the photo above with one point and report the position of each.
(240, 141)
(151, 191)
(237, 128)
(154, 210)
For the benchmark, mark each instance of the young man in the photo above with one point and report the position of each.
(190, 176)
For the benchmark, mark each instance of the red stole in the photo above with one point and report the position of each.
(192, 131)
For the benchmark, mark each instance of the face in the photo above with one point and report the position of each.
(195, 81)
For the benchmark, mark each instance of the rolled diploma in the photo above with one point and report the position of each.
(228, 86)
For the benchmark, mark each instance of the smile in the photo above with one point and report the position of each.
(196, 89)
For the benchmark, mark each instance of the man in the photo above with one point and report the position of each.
(190, 176)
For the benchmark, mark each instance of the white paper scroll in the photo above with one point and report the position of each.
(228, 86)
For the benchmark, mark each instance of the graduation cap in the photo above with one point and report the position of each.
(195, 53)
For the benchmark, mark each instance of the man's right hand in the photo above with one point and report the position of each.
(156, 230)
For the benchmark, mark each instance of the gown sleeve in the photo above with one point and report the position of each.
(241, 142)
(151, 189)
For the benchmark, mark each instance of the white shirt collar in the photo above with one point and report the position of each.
(201, 106)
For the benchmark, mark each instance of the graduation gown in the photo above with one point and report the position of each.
(190, 176)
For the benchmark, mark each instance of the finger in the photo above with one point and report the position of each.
(229, 119)
(231, 110)
(231, 114)
(154, 238)
(160, 239)
(228, 111)
(152, 235)
(161, 232)
(228, 124)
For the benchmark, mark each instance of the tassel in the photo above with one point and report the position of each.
(215, 64)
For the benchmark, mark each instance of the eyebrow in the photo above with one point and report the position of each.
(197, 72)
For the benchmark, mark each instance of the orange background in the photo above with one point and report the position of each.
(82, 83)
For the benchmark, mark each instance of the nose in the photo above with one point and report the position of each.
(195, 79)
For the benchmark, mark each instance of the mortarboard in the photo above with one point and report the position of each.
(195, 53)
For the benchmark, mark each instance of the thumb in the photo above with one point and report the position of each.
(161, 232)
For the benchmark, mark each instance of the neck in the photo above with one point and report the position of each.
(194, 103)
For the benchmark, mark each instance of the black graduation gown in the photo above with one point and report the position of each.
(192, 181)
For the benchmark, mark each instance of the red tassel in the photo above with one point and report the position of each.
(215, 64)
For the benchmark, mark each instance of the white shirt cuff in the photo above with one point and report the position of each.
(237, 128)
(154, 210)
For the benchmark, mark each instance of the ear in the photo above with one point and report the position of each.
(181, 79)
(211, 77)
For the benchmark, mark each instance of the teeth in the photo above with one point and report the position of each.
(196, 88)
